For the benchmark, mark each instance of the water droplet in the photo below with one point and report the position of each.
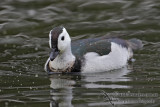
(14, 46)
(133, 60)
(36, 49)
(4, 32)
(5, 45)
(26, 68)
(31, 12)
(6, 104)
(36, 75)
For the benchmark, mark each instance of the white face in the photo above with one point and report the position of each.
(50, 40)
(64, 40)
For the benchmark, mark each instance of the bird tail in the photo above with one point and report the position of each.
(135, 43)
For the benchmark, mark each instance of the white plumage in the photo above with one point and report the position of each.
(117, 58)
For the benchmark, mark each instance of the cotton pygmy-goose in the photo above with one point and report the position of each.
(88, 55)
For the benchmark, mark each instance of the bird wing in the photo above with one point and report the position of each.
(81, 47)
(101, 45)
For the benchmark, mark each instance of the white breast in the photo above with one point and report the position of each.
(117, 58)
(62, 63)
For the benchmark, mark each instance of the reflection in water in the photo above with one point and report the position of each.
(61, 91)
(62, 84)
(111, 76)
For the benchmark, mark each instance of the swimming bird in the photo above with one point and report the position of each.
(87, 55)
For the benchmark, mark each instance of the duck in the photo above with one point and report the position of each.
(90, 55)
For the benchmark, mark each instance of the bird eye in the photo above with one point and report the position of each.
(62, 38)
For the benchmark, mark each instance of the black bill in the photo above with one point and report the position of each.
(53, 54)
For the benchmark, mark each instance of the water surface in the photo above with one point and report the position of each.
(24, 28)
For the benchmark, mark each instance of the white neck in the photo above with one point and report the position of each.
(67, 53)
(64, 60)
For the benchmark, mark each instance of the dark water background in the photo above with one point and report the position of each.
(24, 28)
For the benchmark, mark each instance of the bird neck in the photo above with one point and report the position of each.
(66, 54)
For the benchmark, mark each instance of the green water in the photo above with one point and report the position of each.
(24, 28)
